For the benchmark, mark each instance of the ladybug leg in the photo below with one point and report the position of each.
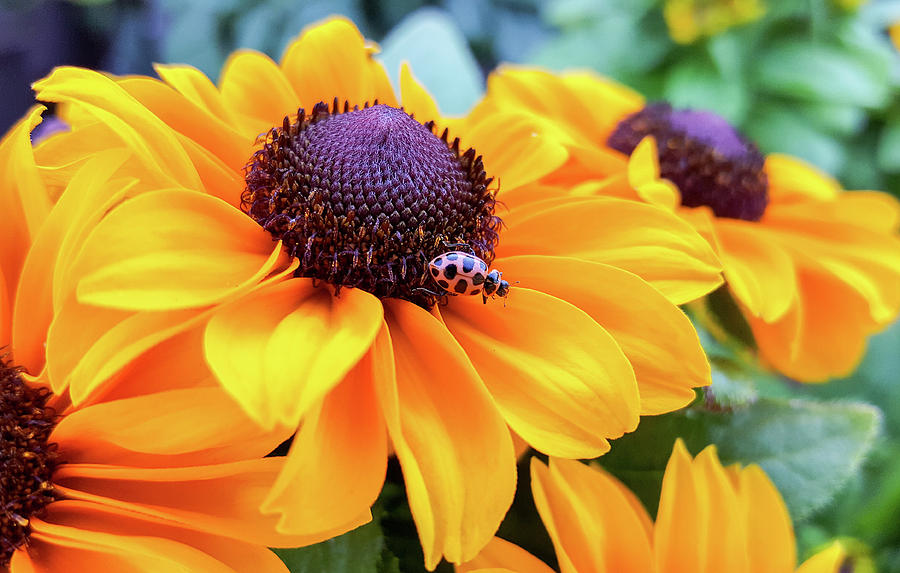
(442, 294)
(458, 245)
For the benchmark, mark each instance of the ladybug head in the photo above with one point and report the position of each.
(494, 284)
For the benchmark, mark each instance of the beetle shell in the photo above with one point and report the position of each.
(459, 273)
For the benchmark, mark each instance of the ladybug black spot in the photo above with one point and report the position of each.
(461, 287)
(443, 284)
(435, 272)
(450, 271)
(478, 279)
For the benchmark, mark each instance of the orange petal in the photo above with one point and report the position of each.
(829, 560)
(172, 249)
(336, 465)
(150, 138)
(222, 499)
(678, 541)
(454, 447)
(591, 518)
(501, 555)
(284, 347)
(194, 426)
(770, 535)
(83, 536)
(657, 338)
(823, 337)
(759, 272)
(331, 60)
(560, 380)
(643, 239)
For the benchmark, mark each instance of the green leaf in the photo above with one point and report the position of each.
(809, 449)
(820, 72)
(439, 57)
(889, 145)
(779, 129)
(696, 83)
(359, 551)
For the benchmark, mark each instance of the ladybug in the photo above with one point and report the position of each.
(458, 273)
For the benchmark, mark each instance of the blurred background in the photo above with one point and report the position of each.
(815, 78)
(818, 79)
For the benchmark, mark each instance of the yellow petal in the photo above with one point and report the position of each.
(336, 465)
(591, 519)
(331, 60)
(501, 555)
(646, 240)
(454, 447)
(770, 540)
(643, 176)
(172, 249)
(256, 92)
(829, 560)
(723, 537)
(559, 378)
(791, 180)
(152, 140)
(283, 347)
(759, 272)
(416, 99)
(656, 337)
(678, 536)
(517, 148)
(24, 204)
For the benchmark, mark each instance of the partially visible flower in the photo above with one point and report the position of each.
(157, 469)
(895, 34)
(711, 519)
(303, 254)
(814, 269)
(689, 20)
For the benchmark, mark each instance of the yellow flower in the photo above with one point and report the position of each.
(318, 310)
(690, 19)
(814, 269)
(155, 470)
(710, 519)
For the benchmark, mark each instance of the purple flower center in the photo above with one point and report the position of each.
(699, 151)
(365, 198)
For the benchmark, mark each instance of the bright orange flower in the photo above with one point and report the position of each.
(814, 269)
(158, 469)
(318, 310)
(710, 519)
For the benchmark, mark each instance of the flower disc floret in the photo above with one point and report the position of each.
(366, 197)
(27, 460)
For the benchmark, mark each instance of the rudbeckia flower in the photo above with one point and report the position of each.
(688, 20)
(158, 469)
(302, 241)
(814, 268)
(710, 519)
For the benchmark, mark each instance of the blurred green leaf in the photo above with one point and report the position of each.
(359, 551)
(439, 57)
(821, 72)
(696, 83)
(809, 449)
(780, 129)
(836, 118)
(889, 144)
